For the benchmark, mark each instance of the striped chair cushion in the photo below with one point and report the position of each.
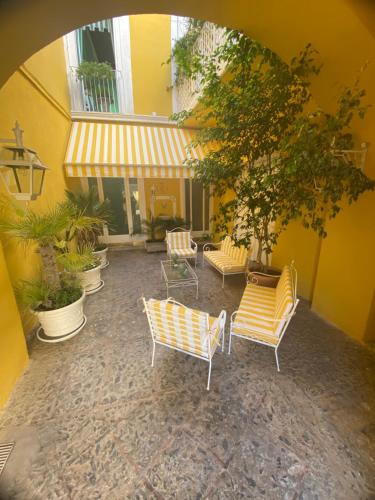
(184, 252)
(223, 262)
(226, 245)
(179, 240)
(271, 303)
(184, 328)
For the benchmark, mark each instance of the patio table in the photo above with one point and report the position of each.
(178, 274)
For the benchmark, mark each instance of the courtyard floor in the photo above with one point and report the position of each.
(92, 419)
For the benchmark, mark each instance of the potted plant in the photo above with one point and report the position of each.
(156, 228)
(98, 79)
(153, 226)
(55, 297)
(88, 204)
(85, 266)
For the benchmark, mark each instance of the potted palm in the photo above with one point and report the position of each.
(88, 204)
(55, 298)
(156, 227)
(85, 266)
(153, 226)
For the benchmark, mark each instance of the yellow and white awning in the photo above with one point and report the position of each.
(122, 150)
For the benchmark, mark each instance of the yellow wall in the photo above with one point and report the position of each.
(302, 246)
(163, 187)
(38, 101)
(150, 40)
(346, 274)
(13, 353)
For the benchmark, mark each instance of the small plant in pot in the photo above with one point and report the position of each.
(85, 266)
(89, 205)
(55, 298)
(99, 82)
(153, 227)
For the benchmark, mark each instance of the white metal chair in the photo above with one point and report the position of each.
(187, 330)
(264, 313)
(180, 244)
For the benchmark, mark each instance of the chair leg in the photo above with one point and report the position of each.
(277, 360)
(222, 286)
(230, 342)
(222, 342)
(209, 377)
(153, 354)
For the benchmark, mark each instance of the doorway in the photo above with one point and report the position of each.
(198, 207)
(125, 197)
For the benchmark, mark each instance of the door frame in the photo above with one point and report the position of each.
(183, 207)
(121, 238)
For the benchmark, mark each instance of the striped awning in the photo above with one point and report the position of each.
(122, 150)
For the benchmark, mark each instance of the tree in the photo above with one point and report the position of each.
(254, 129)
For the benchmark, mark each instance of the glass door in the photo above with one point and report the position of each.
(197, 207)
(114, 190)
(125, 203)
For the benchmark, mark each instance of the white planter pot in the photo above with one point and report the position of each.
(90, 280)
(102, 255)
(61, 324)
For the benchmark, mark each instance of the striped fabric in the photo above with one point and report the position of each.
(122, 150)
(179, 240)
(270, 303)
(184, 252)
(229, 259)
(186, 329)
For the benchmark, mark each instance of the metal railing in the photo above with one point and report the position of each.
(186, 90)
(93, 94)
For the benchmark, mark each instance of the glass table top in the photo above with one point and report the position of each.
(179, 270)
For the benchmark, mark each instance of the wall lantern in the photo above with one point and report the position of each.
(20, 168)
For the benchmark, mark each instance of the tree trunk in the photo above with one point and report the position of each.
(50, 269)
(259, 253)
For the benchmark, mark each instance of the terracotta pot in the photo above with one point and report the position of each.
(266, 276)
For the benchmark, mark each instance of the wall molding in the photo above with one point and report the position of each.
(33, 80)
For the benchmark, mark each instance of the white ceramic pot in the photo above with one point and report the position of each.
(102, 255)
(66, 321)
(90, 280)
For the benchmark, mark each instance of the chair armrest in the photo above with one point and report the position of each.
(210, 244)
(194, 245)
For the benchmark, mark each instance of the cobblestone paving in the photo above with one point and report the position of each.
(92, 419)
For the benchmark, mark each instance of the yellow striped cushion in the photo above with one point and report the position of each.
(179, 239)
(270, 303)
(223, 262)
(226, 245)
(239, 254)
(183, 252)
(182, 327)
(284, 294)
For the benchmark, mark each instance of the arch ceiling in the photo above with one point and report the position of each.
(26, 27)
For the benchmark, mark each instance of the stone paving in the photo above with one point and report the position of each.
(92, 419)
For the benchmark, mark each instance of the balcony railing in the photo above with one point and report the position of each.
(93, 94)
(186, 90)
